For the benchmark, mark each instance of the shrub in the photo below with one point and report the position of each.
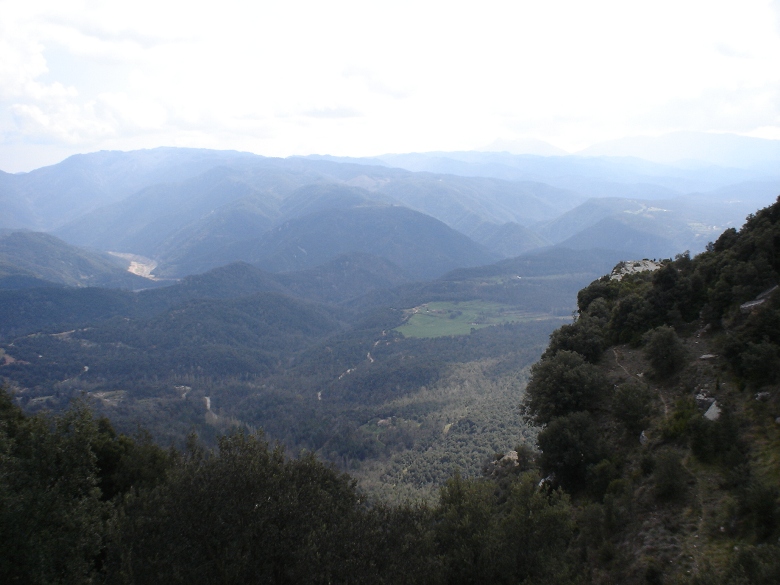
(562, 384)
(669, 476)
(570, 445)
(631, 405)
(664, 350)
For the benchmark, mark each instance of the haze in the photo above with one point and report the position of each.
(358, 79)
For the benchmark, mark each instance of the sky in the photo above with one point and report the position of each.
(365, 78)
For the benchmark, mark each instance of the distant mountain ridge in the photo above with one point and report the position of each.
(192, 210)
(695, 148)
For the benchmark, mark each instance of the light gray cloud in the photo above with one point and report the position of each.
(282, 78)
(105, 35)
(739, 110)
(776, 7)
(729, 51)
(370, 80)
(335, 113)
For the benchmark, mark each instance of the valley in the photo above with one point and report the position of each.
(315, 297)
(452, 341)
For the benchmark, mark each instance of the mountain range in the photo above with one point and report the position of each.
(186, 211)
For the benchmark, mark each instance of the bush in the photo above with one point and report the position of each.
(664, 350)
(678, 425)
(562, 384)
(669, 476)
(631, 405)
(585, 337)
(570, 445)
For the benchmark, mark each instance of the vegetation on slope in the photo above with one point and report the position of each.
(657, 460)
(660, 412)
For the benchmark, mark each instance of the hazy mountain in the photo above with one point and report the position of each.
(524, 146)
(44, 257)
(49, 197)
(236, 221)
(507, 240)
(177, 222)
(618, 234)
(344, 278)
(587, 215)
(321, 197)
(588, 176)
(464, 202)
(648, 228)
(419, 244)
(145, 221)
(695, 148)
(194, 210)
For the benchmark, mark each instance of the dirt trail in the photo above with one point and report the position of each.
(622, 367)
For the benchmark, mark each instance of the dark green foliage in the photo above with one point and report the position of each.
(632, 405)
(630, 318)
(52, 519)
(570, 445)
(760, 362)
(245, 514)
(751, 565)
(533, 533)
(55, 309)
(760, 503)
(562, 384)
(757, 565)
(585, 337)
(665, 351)
(522, 537)
(125, 463)
(670, 475)
(603, 288)
(678, 424)
(753, 344)
(464, 527)
(713, 441)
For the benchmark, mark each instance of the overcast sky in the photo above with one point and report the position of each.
(363, 78)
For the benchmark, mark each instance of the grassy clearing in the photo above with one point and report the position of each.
(460, 318)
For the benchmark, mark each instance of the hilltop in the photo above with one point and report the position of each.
(660, 407)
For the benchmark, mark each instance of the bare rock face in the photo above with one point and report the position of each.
(713, 412)
(632, 267)
(758, 301)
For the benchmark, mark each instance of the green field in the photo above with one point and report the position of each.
(438, 319)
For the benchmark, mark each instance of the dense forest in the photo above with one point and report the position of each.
(239, 347)
(655, 462)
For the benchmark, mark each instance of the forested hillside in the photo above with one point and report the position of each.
(400, 402)
(655, 461)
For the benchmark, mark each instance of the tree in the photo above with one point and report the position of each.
(570, 444)
(464, 529)
(664, 350)
(562, 384)
(245, 514)
(534, 530)
(585, 337)
(52, 519)
(631, 405)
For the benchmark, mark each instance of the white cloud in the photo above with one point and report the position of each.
(357, 78)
